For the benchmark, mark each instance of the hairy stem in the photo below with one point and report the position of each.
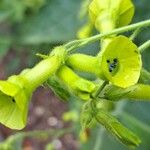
(144, 46)
(135, 33)
(79, 43)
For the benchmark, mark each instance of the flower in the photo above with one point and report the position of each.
(15, 92)
(121, 62)
(109, 14)
(14, 100)
(76, 84)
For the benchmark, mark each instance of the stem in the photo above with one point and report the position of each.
(99, 139)
(100, 89)
(37, 133)
(135, 33)
(144, 46)
(78, 43)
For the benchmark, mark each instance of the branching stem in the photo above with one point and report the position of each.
(144, 46)
(79, 43)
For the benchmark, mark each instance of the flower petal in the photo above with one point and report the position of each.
(10, 114)
(121, 62)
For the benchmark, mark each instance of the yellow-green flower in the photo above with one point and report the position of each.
(109, 14)
(14, 100)
(76, 84)
(15, 92)
(121, 62)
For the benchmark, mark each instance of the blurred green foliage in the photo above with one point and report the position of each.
(38, 25)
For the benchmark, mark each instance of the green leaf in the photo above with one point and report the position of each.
(56, 22)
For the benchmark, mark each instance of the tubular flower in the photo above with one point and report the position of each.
(14, 100)
(77, 85)
(109, 14)
(121, 62)
(15, 93)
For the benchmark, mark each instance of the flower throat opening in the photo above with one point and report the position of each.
(113, 65)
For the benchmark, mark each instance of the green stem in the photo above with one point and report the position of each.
(99, 139)
(79, 43)
(135, 33)
(12, 140)
(144, 46)
(100, 89)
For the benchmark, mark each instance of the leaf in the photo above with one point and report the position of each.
(56, 22)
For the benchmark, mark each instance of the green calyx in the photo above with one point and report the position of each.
(117, 129)
(79, 86)
(87, 119)
(110, 14)
(121, 62)
(59, 88)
